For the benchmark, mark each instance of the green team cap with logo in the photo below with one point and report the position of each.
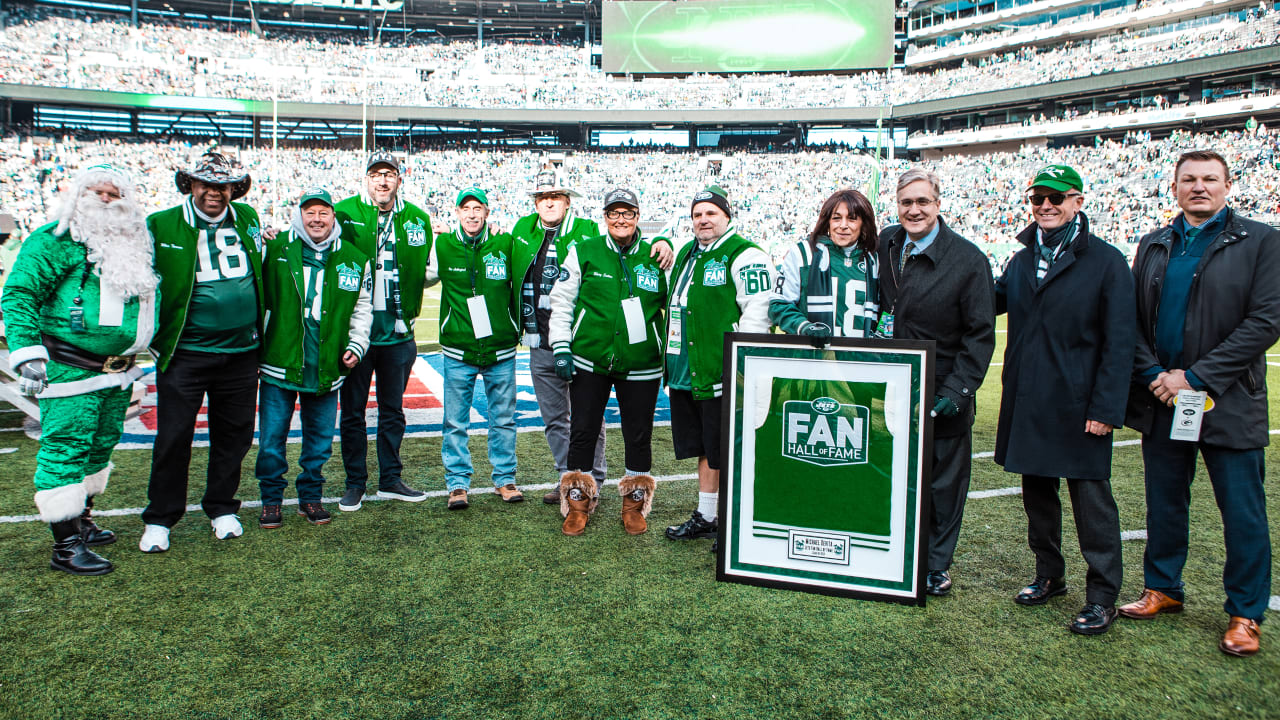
(715, 195)
(316, 193)
(473, 192)
(1059, 177)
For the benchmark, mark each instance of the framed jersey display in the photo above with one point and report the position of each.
(825, 478)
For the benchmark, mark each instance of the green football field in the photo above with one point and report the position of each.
(411, 611)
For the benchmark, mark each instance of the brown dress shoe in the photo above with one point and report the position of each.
(1241, 638)
(553, 497)
(578, 499)
(510, 494)
(637, 500)
(458, 499)
(1151, 604)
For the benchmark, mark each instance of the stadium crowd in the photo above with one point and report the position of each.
(776, 193)
(77, 50)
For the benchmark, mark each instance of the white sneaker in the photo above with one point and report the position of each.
(155, 539)
(227, 526)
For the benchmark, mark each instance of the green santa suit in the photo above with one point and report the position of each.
(54, 296)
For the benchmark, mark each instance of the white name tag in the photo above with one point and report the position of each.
(479, 316)
(633, 312)
(110, 307)
(673, 331)
(1188, 414)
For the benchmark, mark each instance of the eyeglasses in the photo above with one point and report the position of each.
(1036, 199)
(923, 202)
(384, 175)
(621, 214)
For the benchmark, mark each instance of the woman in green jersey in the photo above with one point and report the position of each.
(828, 283)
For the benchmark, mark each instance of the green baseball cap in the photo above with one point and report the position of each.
(316, 193)
(473, 192)
(1059, 177)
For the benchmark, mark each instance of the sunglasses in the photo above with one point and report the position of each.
(1036, 199)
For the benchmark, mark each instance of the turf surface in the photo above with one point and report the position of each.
(412, 611)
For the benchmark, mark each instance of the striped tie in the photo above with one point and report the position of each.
(907, 251)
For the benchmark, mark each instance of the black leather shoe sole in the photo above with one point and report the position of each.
(1041, 598)
(100, 538)
(72, 570)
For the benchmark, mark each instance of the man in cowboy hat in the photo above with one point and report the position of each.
(78, 306)
(209, 257)
(396, 235)
(542, 242)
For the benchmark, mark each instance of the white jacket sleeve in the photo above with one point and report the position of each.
(433, 267)
(753, 280)
(564, 298)
(361, 316)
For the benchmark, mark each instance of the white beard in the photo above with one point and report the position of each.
(119, 244)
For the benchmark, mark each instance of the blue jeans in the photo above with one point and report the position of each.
(1236, 476)
(500, 391)
(275, 412)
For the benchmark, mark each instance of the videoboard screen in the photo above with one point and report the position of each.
(744, 36)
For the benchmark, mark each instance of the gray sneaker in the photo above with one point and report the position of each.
(351, 500)
(400, 491)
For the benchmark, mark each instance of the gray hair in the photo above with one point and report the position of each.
(916, 174)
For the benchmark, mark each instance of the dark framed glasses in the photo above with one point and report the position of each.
(1036, 199)
(621, 214)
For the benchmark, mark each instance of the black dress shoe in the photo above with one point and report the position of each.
(695, 527)
(937, 582)
(1093, 619)
(1040, 590)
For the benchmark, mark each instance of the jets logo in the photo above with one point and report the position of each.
(647, 278)
(1051, 170)
(348, 278)
(415, 234)
(550, 272)
(713, 273)
(825, 432)
(495, 266)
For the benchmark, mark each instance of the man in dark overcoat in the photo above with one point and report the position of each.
(1208, 293)
(1067, 363)
(936, 285)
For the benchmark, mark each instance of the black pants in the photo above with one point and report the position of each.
(392, 364)
(952, 463)
(1097, 525)
(588, 396)
(231, 383)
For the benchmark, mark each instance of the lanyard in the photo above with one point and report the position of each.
(626, 275)
(474, 247)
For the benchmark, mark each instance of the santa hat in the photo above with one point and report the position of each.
(90, 176)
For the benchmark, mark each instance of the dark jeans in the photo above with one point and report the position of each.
(1097, 527)
(275, 408)
(588, 396)
(952, 462)
(1236, 476)
(392, 364)
(230, 380)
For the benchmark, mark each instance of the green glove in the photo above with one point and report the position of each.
(944, 407)
(564, 365)
(816, 330)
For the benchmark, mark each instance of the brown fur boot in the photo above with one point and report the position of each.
(578, 499)
(637, 500)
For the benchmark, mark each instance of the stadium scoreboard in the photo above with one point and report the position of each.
(744, 36)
